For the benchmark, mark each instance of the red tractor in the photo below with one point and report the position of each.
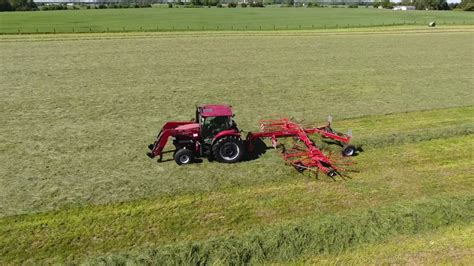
(214, 134)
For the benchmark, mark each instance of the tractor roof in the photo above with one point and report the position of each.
(215, 110)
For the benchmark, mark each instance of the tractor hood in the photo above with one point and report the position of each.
(188, 127)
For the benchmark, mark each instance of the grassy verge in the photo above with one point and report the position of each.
(199, 19)
(324, 234)
(437, 167)
(450, 245)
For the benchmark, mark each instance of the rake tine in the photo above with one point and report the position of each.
(283, 148)
(341, 175)
(353, 171)
(345, 176)
(333, 179)
(317, 173)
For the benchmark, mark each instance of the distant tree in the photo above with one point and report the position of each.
(210, 2)
(17, 5)
(257, 3)
(32, 5)
(467, 5)
(387, 4)
(420, 4)
(443, 5)
(453, 5)
(431, 4)
(5, 5)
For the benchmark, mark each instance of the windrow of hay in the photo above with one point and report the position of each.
(416, 136)
(327, 234)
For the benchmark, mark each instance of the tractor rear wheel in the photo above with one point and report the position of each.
(183, 156)
(229, 149)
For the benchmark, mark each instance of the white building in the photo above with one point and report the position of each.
(404, 8)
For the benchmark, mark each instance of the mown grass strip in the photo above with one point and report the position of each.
(32, 37)
(452, 245)
(326, 234)
(72, 233)
(400, 128)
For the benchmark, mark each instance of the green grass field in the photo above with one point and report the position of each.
(198, 19)
(79, 109)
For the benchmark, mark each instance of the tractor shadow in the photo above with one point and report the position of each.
(196, 160)
(166, 160)
(259, 148)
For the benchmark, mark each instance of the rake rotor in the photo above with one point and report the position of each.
(304, 154)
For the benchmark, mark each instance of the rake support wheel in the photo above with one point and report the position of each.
(349, 150)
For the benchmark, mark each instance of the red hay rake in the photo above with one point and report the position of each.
(305, 155)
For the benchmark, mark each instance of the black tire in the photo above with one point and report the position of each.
(349, 150)
(184, 156)
(229, 149)
(332, 173)
(299, 167)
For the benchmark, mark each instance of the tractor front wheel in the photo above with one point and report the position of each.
(183, 156)
(229, 149)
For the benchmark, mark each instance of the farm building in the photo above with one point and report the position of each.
(404, 8)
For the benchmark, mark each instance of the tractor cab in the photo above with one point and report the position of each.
(213, 119)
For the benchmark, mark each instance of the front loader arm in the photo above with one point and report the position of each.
(162, 138)
(160, 143)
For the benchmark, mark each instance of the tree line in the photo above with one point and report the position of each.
(18, 5)
(467, 5)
